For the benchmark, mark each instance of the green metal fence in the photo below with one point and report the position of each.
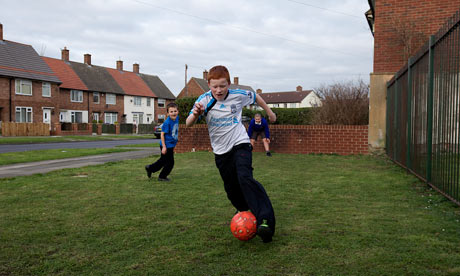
(423, 112)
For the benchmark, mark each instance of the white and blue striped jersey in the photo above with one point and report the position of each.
(224, 118)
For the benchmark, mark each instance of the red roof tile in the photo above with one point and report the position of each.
(131, 83)
(69, 78)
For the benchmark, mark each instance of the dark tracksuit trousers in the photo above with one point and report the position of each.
(166, 163)
(243, 191)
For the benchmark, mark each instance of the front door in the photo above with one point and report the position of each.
(47, 116)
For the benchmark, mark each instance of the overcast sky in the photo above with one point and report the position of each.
(273, 45)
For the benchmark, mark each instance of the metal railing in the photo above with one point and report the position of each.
(423, 112)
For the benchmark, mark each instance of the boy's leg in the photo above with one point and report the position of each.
(256, 197)
(168, 164)
(154, 167)
(228, 173)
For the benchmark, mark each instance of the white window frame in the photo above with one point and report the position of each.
(110, 98)
(96, 94)
(161, 103)
(76, 96)
(46, 89)
(161, 118)
(276, 105)
(29, 115)
(292, 105)
(137, 101)
(149, 101)
(20, 84)
(73, 116)
(110, 116)
(96, 117)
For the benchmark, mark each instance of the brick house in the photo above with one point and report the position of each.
(28, 86)
(73, 93)
(196, 86)
(399, 29)
(138, 98)
(291, 99)
(105, 97)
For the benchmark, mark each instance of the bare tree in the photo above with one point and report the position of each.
(343, 103)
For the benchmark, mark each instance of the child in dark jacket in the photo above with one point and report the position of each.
(259, 127)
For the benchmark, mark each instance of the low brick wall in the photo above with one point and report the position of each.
(342, 140)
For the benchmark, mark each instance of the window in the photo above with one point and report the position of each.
(148, 101)
(111, 118)
(276, 105)
(161, 102)
(76, 116)
(23, 114)
(46, 89)
(149, 118)
(96, 97)
(292, 105)
(61, 116)
(110, 99)
(137, 101)
(161, 118)
(24, 87)
(76, 96)
(138, 118)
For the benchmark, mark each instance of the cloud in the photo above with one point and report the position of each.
(272, 45)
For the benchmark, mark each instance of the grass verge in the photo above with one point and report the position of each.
(57, 139)
(357, 215)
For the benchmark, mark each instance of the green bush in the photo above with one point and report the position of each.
(284, 116)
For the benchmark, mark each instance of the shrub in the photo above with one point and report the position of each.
(343, 103)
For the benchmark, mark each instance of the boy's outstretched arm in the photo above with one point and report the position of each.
(197, 110)
(263, 104)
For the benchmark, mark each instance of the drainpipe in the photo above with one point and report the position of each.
(11, 102)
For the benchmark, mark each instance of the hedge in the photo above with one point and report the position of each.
(284, 116)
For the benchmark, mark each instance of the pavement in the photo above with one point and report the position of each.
(76, 162)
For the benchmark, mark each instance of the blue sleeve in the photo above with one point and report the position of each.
(166, 126)
(250, 127)
(267, 131)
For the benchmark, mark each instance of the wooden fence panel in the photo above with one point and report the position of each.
(25, 129)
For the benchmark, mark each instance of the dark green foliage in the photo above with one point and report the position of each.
(286, 116)
(185, 105)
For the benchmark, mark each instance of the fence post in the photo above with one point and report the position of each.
(409, 113)
(395, 119)
(429, 128)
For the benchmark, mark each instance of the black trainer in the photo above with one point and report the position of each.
(163, 179)
(264, 232)
(269, 154)
(149, 173)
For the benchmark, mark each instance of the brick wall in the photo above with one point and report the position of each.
(343, 140)
(396, 19)
(193, 90)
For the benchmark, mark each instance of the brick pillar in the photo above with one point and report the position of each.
(99, 129)
(56, 129)
(117, 128)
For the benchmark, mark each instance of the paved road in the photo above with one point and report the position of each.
(52, 165)
(75, 145)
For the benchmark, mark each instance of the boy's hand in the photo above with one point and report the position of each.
(198, 109)
(163, 150)
(272, 117)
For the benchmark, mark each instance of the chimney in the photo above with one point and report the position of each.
(87, 59)
(205, 75)
(1, 31)
(65, 54)
(299, 88)
(259, 91)
(235, 80)
(136, 68)
(120, 65)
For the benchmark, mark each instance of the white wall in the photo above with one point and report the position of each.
(311, 100)
(130, 108)
(67, 116)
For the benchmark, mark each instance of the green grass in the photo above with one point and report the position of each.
(56, 139)
(51, 154)
(335, 215)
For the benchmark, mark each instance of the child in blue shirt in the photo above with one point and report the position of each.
(258, 126)
(169, 137)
